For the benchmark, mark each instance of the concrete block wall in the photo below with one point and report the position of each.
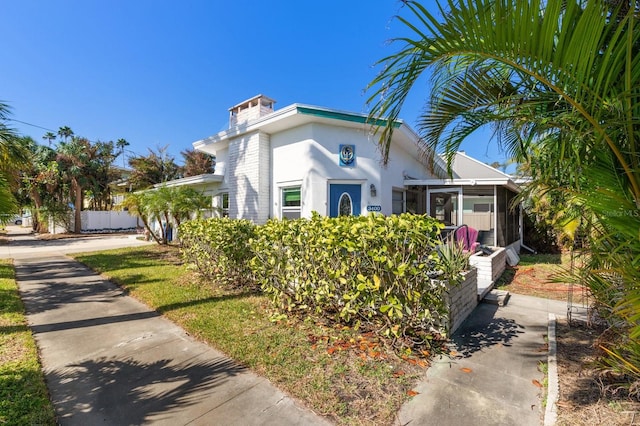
(462, 300)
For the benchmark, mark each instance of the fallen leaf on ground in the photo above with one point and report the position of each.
(466, 370)
(537, 383)
(412, 393)
(544, 348)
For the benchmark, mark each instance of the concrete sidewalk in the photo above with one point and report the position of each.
(494, 377)
(110, 360)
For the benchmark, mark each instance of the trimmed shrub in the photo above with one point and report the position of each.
(369, 270)
(219, 248)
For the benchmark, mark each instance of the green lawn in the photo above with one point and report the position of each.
(338, 372)
(24, 399)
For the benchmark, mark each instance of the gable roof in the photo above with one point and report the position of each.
(465, 167)
(468, 171)
(192, 180)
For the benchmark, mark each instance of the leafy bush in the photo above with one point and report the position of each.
(219, 248)
(368, 270)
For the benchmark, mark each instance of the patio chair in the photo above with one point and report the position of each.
(468, 237)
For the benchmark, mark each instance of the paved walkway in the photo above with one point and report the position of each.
(109, 360)
(494, 379)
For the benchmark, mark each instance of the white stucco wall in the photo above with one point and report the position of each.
(308, 156)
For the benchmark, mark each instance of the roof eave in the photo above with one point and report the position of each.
(507, 183)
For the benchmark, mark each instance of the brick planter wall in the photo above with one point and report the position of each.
(489, 267)
(462, 299)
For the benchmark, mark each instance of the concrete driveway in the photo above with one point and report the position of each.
(24, 244)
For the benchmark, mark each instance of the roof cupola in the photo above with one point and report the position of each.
(250, 109)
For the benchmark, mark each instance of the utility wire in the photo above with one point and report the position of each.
(43, 128)
(29, 124)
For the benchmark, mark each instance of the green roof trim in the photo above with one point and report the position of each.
(345, 116)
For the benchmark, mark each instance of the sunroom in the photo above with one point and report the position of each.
(477, 195)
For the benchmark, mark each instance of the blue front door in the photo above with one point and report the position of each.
(344, 199)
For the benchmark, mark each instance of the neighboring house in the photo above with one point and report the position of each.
(290, 162)
(121, 186)
(207, 184)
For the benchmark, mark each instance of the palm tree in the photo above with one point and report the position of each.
(187, 202)
(49, 136)
(165, 205)
(558, 81)
(41, 184)
(136, 203)
(121, 144)
(65, 132)
(76, 160)
(12, 158)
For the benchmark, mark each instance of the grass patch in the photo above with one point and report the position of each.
(24, 398)
(541, 259)
(351, 377)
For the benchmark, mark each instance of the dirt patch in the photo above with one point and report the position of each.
(534, 281)
(582, 399)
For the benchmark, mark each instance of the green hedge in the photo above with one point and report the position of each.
(220, 249)
(373, 270)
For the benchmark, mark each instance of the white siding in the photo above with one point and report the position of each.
(247, 177)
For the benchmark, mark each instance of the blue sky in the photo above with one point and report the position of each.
(165, 73)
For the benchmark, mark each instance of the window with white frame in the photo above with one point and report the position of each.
(291, 202)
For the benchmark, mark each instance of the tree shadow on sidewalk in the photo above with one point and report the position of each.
(482, 330)
(129, 391)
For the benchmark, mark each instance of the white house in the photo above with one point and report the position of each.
(290, 162)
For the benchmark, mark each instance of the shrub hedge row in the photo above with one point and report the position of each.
(220, 250)
(371, 270)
